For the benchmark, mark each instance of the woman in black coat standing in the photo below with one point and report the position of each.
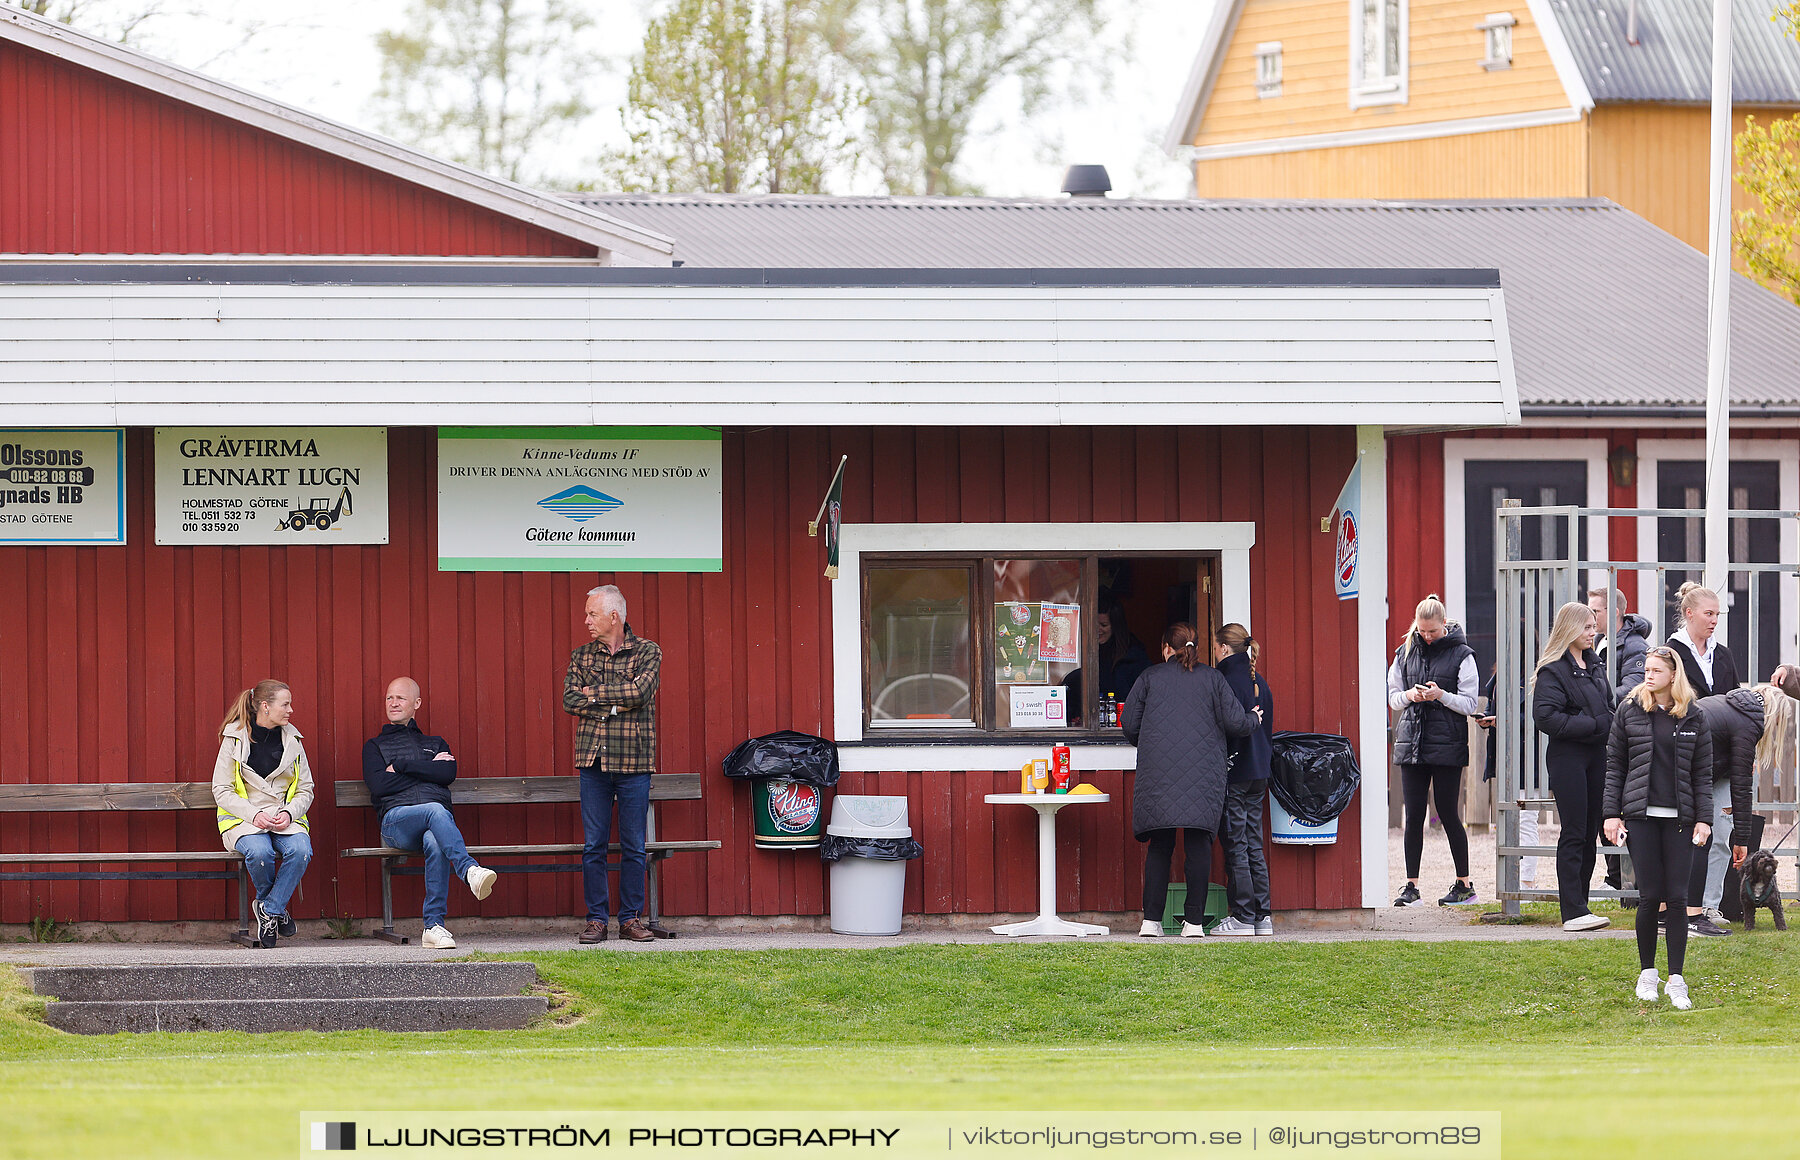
(1707, 664)
(1247, 786)
(1178, 715)
(1572, 704)
(1658, 779)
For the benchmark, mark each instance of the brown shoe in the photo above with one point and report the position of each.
(636, 930)
(594, 932)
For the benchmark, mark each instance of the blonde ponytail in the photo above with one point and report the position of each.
(244, 706)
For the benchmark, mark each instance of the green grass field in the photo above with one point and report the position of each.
(1547, 1033)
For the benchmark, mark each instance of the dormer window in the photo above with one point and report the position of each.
(1268, 69)
(1497, 31)
(1377, 52)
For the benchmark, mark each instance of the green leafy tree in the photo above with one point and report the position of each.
(931, 66)
(494, 84)
(1767, 238)
(732, 96)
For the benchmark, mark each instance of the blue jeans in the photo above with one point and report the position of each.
(598, 791)
(429, 828)
(274, 887)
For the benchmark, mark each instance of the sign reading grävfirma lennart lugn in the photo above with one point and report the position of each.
(580, 499)
(272, 485)
(62, 485)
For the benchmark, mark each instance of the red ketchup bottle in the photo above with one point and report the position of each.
(1061, 769)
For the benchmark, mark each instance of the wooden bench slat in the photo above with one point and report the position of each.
(555, 848)
(664, 787)
(121, 856)
(143, 795)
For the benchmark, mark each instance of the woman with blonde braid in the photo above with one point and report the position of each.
(1235, 655)
(263, 788)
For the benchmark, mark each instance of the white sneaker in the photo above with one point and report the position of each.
(436, 938)
(1678, 996)
(1231, 926)
(1265, 926)
(1648, 981)
(1717, 916)
(1587, 922)
(1192, 930)
(481, 881)
(1150, 929)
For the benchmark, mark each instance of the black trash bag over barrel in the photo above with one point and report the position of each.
(1313, 775)
(795, 756)
(832, 847)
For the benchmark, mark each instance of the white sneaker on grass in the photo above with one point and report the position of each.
(1230, 926)
(1648, 982)
(1192, 930)
(436, 938)
(1587, 922)
(1150, 929)
(1678, 996)
(481, 881)
(1717, 916)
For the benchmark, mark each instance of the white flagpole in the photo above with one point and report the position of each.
(1718, 329)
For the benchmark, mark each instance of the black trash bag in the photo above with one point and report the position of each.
(796, 756)
(1313, 775)
(832, 847)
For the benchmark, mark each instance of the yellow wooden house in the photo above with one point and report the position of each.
(1474, 99)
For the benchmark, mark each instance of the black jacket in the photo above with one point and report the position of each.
(417, 777)
(1429, 732)
(1250, 756)
(1179, 721)
(1726, 674)
(1628, 751)
(1736, 722)
(1573, 705)
(1633, 646)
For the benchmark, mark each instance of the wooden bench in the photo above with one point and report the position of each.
(471, 791)
(144, 795)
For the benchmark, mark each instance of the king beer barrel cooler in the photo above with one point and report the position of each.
(789, 814)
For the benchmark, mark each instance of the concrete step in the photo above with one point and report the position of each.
(485, 1013)
(283, 981)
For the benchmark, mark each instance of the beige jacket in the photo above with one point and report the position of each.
(241, 793)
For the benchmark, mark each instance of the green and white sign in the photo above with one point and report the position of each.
(62, 486)
(580, 499)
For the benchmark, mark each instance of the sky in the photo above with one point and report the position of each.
(324, 60)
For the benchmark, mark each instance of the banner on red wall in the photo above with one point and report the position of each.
(61, 485)
(294, 486)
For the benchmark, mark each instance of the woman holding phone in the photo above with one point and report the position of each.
(1434, 684)
(1658, 775)
(1572, 703)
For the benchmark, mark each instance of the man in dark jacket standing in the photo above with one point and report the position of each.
(408, 773)
(1628, 638)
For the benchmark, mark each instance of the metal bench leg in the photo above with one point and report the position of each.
(387, 933)
(653, 877)
(242, 937)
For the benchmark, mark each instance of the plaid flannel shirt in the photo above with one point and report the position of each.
(615, 728)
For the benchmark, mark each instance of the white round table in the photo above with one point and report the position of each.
(1046, 805)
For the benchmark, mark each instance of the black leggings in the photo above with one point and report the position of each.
(1662, 849)
(1445, 783)
(1157, 859)
(1577, 777)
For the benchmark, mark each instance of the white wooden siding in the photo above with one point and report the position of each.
(144, 354)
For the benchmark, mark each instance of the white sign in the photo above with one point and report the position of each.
(580, 499)
(62, 486)
(1039, 706)
(271, 485)
(1346, 575)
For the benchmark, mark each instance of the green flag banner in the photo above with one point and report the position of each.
(830, 517)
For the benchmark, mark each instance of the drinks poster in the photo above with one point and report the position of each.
(1016, 659)
(1059, 633)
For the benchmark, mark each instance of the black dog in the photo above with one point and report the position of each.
(1756, 884)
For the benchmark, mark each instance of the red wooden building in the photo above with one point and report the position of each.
(182, 254)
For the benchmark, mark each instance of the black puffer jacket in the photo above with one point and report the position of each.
(1634, 645)
(1628, 756)
(1736, 722)
(1573, 705)
(1179, 721)
(1430, 732)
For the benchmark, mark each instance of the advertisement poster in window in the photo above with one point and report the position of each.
(1016, 659)
(1039, 707)
(304, 486)
(62, 485)
(1059, 633)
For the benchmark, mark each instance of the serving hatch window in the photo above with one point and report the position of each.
(1020, 643)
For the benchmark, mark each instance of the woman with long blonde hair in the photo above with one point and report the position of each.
(1572, 704)
(1658, 774)
(1433, 684)
(264, 788)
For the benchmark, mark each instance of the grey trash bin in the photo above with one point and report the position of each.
(867, 894)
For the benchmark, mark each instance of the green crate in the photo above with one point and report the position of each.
(1217, 907)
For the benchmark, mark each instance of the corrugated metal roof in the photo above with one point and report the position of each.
(1672, 60)
(1603, 308)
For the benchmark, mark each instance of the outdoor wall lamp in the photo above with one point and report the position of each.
(1623, 462)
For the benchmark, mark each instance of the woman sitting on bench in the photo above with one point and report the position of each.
(263, 788)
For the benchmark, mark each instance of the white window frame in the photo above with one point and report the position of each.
(1232, 541)
(1383, 90)
(1497, 27)
(1268, 70)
